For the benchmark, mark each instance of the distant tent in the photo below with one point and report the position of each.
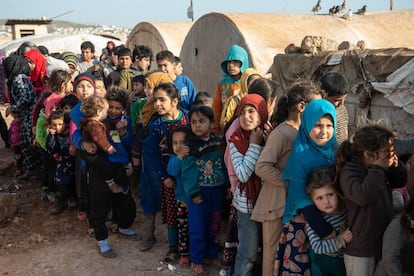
(60, 43)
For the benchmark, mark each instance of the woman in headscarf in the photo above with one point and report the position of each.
(23, 100)
(37, 64)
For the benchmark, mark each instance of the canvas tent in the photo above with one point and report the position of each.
(265, 35)
(60, 43)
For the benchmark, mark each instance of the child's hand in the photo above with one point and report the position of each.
(89, 147)
(121, 123)
(394, 160)
(198, 199)
(52, 131)
(111, 150)
(256, 136)
(347, 236)
(183, 152)
(169, 183)
(267, 129)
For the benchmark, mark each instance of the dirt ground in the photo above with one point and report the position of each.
(34, 242)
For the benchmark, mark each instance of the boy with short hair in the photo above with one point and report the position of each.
(178, 66)
(142, 56)
(233, 66)
(166, 63)
(88, 56)
(126, 70)
(336, 88)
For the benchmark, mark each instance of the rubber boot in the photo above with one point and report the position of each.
(59, 200)
(148, 239)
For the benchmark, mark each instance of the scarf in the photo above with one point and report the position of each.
(39, 72)
(240, 139)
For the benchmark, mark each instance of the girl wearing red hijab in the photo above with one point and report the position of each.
(246, 144)
(37, 63)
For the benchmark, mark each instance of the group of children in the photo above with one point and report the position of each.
(299, 196)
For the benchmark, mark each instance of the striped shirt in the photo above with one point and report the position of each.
(332, 246)
(244, 168)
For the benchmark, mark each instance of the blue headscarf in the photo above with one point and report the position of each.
(307, 156)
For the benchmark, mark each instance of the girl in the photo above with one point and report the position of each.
(57, 144)
(23, 100)
(60, 83)
(37, 64)
(204, 175)
(368, 169)
(314, 147)
(180, 149)
(326, 256)
(272, 161)
(245, 147)
(156, 184)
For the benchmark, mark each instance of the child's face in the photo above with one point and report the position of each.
(125, 62)
(115, 109)
(100, 88)
(163, 104)
(178, 142)
(58, 125)
(337, 101)
(148, 91)
(233, 67)
(322, 131)
(201, 125)
(87, 54)
(166, 66)
(137, 87)
(178, 69)
(84, 89)
(67, 87)
(71, 69)
(32, 65)
(143, 63)
(67, 108)
(249, 118)
(325, 199)
(102, 114)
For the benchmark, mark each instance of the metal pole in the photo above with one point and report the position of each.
(191, 5)
(391, 5)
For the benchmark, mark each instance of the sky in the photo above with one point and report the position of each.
(128, 13)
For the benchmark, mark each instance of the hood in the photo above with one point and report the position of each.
(236, 52)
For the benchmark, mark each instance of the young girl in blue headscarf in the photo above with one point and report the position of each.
(314, 147)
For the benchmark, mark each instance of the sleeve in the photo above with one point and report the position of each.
(75, 135)
(391, 248)
(321, 246)
(266, 167)
(128, 138)
(192, 93)
(217, 109)
(123, 81)
(228, 112)
(133, 112)
(50, 143)
(99, 137)
(174, 166)
(22, 93)
(189, 172)
(244, 164)
(36, 111)
(41, 130)
(316, 221)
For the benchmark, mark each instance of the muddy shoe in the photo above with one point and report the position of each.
(129, 234)
(147, 244)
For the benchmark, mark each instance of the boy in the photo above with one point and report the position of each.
(142, 57)
(336, 88)
(233, 66)
(126, 70)
(88, 56)
(178, 66)
(166, 63)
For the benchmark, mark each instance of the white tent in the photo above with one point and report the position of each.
(60, 43)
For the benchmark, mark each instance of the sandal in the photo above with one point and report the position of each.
(184, 262)
(172, 256)
(198, 270)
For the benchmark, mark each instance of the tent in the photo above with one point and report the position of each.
(60, 42)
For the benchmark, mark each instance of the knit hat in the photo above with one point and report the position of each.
(84, 76)
(70, 58)
(53, 64)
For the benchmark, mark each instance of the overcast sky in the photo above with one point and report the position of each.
(128, 13)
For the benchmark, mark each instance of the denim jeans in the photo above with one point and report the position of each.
(356, 266)
(249, 232)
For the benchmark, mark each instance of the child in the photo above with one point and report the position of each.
(178, 66)
(368, 170)
(100, 89)
(245, 148)
(314, 147)
(88, 56)
(230, 107)
(203, 98)
(336, 87)
(14, 134)
(142, 56)
(326, 257)
(233, 66)
(57, 144)
(165, 61)
(60, 83)
(272, 161)
(126, 70)
(156, 184)
(37, 64)
(138, 85)
(204, 176)
(68, 102)
(180, 149)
